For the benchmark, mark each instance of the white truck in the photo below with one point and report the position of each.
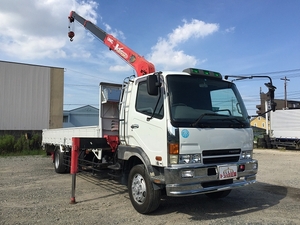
(285, 128)
(180, 133)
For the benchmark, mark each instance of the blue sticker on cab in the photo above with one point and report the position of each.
(185, 133)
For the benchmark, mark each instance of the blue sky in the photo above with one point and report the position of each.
(233, 37)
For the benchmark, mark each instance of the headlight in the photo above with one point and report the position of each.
(246, 155)
(173, 159)
(189, 158)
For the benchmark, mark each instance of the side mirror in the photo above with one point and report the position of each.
(153, 84)
(269, 86)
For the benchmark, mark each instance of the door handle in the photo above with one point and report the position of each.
(133, 126)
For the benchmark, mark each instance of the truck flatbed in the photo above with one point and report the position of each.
(63, 136)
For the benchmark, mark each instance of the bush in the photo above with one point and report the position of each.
(7, 143)
(21, 144)
(35, 141)
(25, 143)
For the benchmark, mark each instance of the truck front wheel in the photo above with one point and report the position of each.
(142, 194)
(59, 164)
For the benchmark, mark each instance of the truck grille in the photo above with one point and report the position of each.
(221, 156)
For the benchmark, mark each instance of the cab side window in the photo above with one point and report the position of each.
(147, 104)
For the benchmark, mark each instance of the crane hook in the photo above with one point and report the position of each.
(71, 35)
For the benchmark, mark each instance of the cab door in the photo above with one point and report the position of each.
(147, 123)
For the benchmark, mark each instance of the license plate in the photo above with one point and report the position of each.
(227, 172)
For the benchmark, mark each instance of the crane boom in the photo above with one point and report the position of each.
(139, 63)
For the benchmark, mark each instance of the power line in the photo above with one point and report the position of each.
(268, 73)
(85, 74)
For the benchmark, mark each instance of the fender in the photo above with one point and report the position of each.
(125, 152)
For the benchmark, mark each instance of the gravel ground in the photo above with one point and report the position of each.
(32, 193)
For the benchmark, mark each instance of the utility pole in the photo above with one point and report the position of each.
(285, 93)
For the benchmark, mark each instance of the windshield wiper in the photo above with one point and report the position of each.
(203, 115)
(224, 117)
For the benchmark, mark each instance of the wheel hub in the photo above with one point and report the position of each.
(56, 161)
(139, 190)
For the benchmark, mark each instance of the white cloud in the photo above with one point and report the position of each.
(119, 68)
(196, 29)
(165, 54)
(38, 29)
(230, 29)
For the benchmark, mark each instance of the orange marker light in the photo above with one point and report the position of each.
(174, 148)
(158, 158)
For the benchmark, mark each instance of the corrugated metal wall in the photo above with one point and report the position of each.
(25, 97)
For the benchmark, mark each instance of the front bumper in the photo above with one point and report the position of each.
(204, 181)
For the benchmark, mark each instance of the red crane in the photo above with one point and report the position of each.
(139, 63)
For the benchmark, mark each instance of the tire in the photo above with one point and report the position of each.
(59, 164)
(143, 197)
(219, 194)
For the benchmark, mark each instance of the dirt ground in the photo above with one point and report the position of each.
(32, 193)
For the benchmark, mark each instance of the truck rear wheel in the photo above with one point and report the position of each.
(59, 164)
(142, 194)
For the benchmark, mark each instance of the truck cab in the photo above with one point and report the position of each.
(190, 131)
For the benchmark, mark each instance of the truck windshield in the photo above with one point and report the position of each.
(198, 101)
